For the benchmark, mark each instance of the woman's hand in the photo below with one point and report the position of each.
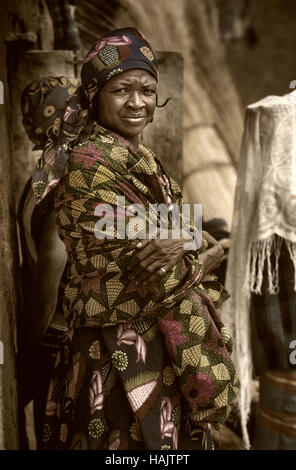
(153, 255)
(213, 256)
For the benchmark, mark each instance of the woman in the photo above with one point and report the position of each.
(117, 385)
(43, 256)
(261, 275)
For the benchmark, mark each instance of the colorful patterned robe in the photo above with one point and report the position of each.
(99, 293)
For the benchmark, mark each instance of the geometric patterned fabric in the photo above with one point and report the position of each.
(101, 171)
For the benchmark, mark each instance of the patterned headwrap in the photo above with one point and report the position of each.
(120, 50)
(43, 106)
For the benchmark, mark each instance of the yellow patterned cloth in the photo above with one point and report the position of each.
(99, 173)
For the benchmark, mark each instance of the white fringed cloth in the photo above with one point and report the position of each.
(264, 218)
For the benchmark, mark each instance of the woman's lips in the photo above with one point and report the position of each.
(134, 119)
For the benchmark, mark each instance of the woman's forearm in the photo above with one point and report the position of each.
(41, 297)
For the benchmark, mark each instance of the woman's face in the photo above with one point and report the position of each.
(126, 103)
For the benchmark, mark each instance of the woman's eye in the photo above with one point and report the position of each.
(149, 91)
(120, 91)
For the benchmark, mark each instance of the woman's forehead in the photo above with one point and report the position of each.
(133, 75)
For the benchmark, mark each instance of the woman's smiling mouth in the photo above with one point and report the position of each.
(134, 119)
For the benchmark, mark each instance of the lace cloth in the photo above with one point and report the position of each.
(264, 218)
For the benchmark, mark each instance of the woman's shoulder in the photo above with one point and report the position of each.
(90, 152)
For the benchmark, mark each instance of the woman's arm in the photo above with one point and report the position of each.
(41, 298)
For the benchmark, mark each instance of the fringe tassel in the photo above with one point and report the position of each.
(291, 247)
(244, 407)
(261, 253)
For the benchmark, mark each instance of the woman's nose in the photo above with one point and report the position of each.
(135, 100)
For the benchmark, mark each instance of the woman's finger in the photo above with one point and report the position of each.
(158, 275)
(145, 250)
(211, 240)
(151, 262)
(148, 272)
(212, 258)
(142, 243)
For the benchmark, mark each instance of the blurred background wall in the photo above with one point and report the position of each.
(234, 52)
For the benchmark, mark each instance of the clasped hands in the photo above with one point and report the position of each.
(157, 256)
